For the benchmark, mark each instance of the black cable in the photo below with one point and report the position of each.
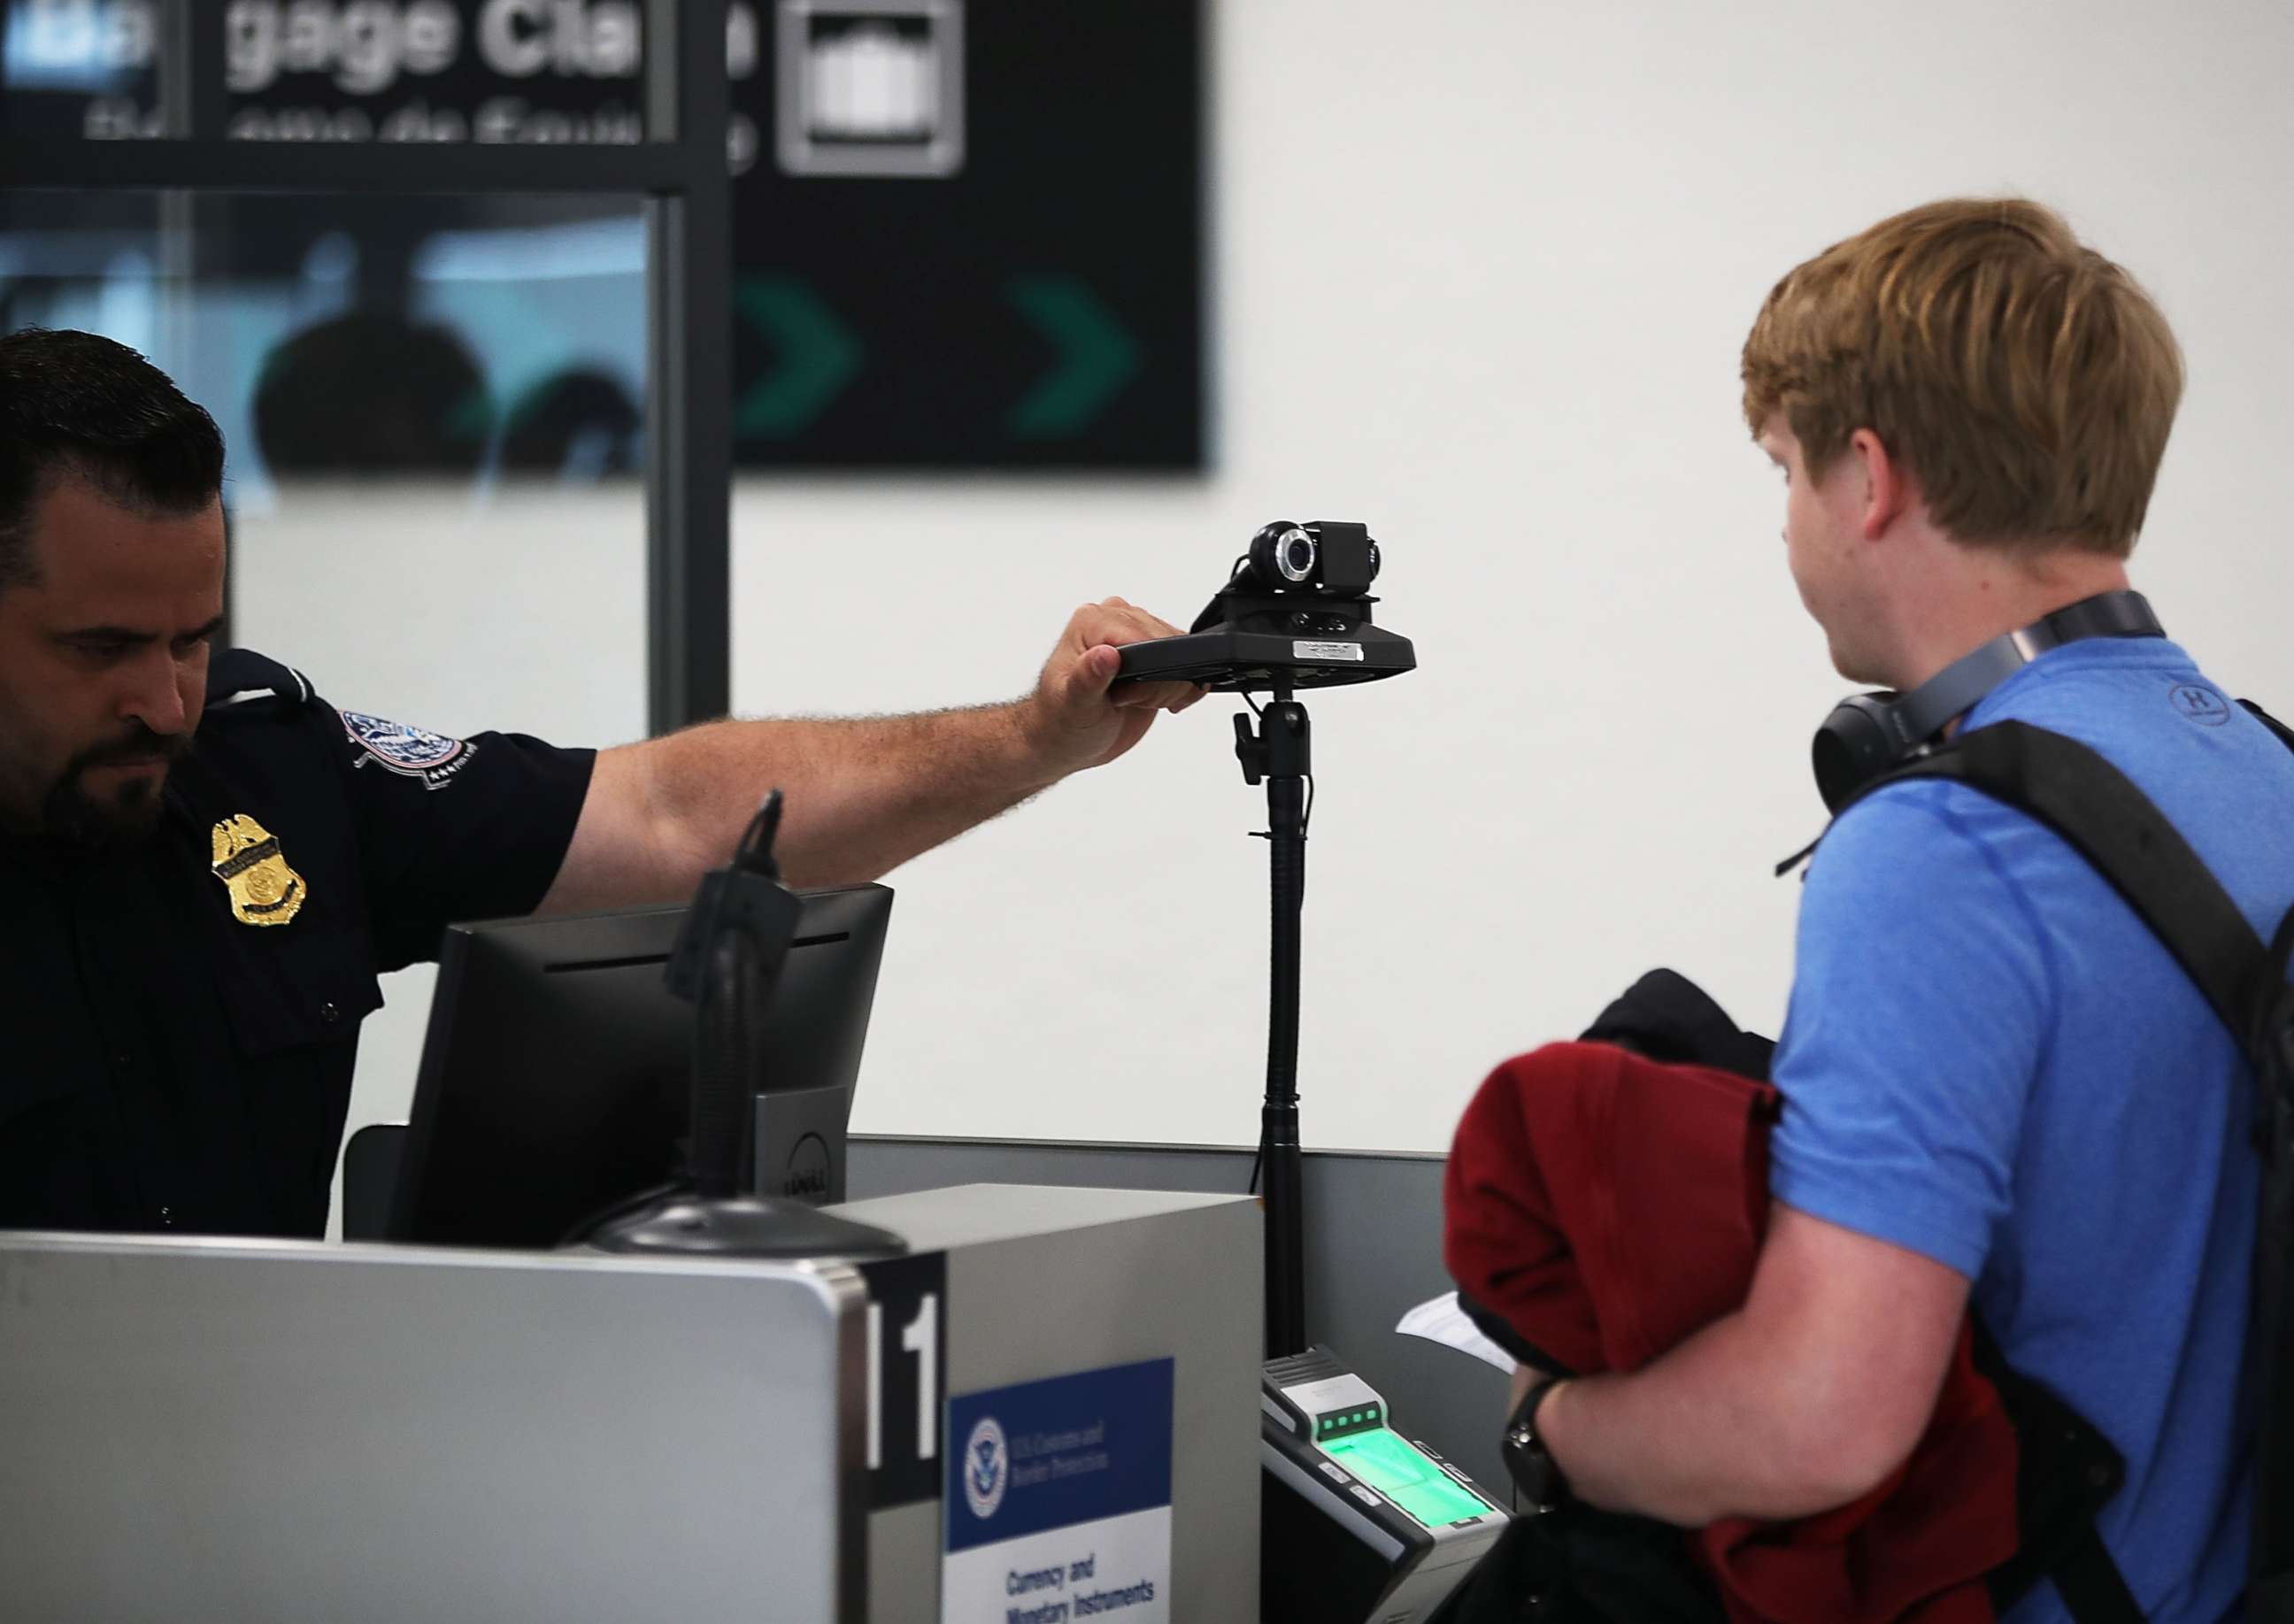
(728, 1023)
(1258, 1157)
(1290, 894)
(1279, 1116)
(755, 851)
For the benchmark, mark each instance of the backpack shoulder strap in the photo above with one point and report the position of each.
(2285, 733)
(2269, 1336)
(2090, 803)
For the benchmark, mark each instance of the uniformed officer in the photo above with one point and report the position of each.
(204, 865)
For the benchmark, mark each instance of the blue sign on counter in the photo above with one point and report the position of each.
(1058, 1502)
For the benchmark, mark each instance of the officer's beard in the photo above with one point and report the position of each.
(74, 813)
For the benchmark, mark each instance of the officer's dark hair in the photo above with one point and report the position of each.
(79, 404)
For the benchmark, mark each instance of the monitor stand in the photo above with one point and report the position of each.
(799, 1150)
(727, 961)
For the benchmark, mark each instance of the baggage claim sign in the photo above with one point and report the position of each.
(966, 235)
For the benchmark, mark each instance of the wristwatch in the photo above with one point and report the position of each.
(1534, 1471)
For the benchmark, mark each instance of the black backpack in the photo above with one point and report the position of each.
(2103, 817)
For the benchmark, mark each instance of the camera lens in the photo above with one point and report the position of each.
(1294, 555)
(1284, 553)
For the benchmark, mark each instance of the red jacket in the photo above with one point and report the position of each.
(1607, 1206)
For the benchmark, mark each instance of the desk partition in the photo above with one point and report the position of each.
(1373, 1251)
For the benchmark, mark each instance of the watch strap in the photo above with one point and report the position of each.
(1530, 1463)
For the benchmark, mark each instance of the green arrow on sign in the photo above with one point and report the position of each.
(1097, 357)
(817, 356)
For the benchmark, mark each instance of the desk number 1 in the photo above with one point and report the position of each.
(921, 1337)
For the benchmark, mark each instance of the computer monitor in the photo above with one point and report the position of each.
(555, 1075)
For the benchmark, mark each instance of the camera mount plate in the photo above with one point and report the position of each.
(1247, 643)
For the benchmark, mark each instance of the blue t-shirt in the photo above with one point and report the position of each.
(1990, 1061)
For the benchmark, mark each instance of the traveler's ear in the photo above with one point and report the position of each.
(1888, 491)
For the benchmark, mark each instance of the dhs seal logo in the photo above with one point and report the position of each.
(987, 1467)
(412, 752)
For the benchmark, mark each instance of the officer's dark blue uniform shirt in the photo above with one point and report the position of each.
(182, 1016)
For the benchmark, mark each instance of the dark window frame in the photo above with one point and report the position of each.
(680, 171)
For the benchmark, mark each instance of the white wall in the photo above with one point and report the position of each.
(1482, 270)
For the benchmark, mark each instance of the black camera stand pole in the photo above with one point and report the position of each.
(1279, 750)
(1295, 613)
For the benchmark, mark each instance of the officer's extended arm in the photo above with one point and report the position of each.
(864, 794)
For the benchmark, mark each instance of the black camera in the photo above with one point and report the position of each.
(1284, 556)
(1295, 613)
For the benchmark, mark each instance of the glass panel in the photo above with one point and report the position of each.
(432, 412)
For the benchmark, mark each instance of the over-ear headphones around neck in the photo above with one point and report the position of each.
(1867, 734)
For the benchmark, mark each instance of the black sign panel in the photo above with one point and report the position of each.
(907, 1378)
(968, 233)
(1041, 305)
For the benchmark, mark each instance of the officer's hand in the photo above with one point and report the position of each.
(1075, 720)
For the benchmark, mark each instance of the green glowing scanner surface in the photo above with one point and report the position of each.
(1390, 1465)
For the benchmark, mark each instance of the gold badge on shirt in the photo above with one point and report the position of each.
(264, 890)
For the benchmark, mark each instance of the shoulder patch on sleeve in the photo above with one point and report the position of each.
(412, 753)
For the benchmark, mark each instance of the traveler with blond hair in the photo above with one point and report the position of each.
(2001, 1092)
